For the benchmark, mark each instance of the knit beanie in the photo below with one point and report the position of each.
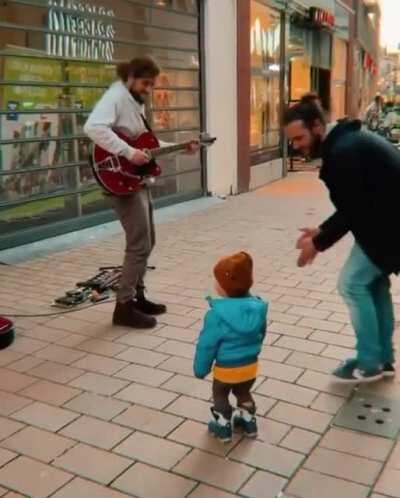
(235, 274)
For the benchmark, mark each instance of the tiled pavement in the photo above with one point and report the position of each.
(92, 411)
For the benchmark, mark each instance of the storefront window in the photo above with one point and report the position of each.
(339, 71)
(300, 50)
(265, 43)
(56, 60)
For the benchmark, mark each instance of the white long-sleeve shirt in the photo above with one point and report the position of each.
(116, 109)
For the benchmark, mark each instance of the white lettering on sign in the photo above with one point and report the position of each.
(76, 28)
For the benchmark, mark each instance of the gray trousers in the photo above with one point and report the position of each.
(135, 212)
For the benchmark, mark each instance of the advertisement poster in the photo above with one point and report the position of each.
(18, 125)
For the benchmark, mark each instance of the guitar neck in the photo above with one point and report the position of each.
(160, 151)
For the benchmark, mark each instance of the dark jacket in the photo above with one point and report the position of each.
(362, 173)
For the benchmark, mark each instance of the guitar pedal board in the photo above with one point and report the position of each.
(95, 289)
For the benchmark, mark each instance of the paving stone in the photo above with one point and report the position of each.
(60, 354)
(27, 345)
(143, 341)
(178, 365)
(300, 440)
(100, 364)
(279, 371)
(389, 483)
(8, 357)
(45, 416)
(308, 312)
(99, 384)
(343, 466)
(323, 382)
(394, 460)
(267, 457)
(301, 345)
(362, 445)
(143, 480)
(338, 352)
(50, 392)
(98, 465)
(178, 348)
(300, 417)
(191, 408)
(99, 347)
(142, 357)
(263, 485)
(38, 444)
(308, 484)
(148, 420)
(6, 456)
(204, 491)
(14, 381)
(56, 372)
(287, 329)
(95, 432)
(8, 427)
(32, 478)
(214, 470)
(328, 403)
(144, 375)
(97, 406)
(80, 488)
(10, 403)
(177, 333)
(147, 396)
(287, 392)
(270, 431)
(274, 354)
(152, 450)
(196, 435)
(312, 362)
(25, 364)
(333, 339)
(189, 386)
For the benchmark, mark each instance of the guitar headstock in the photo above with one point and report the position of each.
(206, 139)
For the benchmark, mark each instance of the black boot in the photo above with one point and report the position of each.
(128, 315)
(146, 306)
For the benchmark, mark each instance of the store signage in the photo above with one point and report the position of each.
(74, 25)
(321, 17)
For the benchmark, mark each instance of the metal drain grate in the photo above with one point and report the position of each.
(369, 413)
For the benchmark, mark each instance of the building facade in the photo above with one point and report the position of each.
(228, 67)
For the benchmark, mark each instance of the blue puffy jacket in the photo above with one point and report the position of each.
(232, 334)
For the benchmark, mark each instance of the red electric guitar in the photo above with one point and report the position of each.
(119, 176)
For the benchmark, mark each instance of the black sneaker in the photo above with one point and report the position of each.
(388, 370)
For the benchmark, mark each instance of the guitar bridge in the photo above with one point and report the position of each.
(109, 164)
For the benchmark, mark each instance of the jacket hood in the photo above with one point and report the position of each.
(245, 315)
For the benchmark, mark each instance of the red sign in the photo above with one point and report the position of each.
(322, 17)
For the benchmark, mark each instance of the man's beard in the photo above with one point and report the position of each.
(315, 151)
(140, 99)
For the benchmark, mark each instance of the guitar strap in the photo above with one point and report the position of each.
(146, 123)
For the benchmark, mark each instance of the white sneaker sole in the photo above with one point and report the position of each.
(355, 381)
(389, 375)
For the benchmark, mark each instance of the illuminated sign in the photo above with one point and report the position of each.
(80, 30)
(321, 17)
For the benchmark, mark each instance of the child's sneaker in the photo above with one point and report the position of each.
(388, 370)
(220, 427)
(246, 421)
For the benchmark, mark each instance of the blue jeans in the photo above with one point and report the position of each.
(365, 289)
